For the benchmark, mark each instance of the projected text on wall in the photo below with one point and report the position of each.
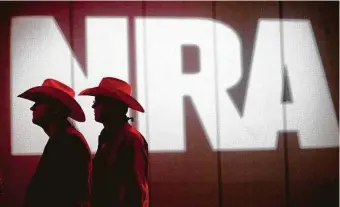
(39, 51)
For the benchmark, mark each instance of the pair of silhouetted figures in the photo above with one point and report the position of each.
(66, 174)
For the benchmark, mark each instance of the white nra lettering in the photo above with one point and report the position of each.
(39, 50)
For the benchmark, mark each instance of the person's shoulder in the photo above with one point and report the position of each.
(74, 134)
(75, 138)
(134, 137)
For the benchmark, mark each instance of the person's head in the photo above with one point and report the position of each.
(46, 110)
(109, 109)
(112, 100)
(53, 101)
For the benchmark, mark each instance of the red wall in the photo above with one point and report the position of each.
(200, 176)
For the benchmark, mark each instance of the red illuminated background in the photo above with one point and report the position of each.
(199, 176)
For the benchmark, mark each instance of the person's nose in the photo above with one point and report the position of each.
(94, 104)
(33, 107)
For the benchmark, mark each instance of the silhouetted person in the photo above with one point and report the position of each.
(120, 166)
(62, 177)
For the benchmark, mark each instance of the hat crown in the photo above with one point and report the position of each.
(60, 86)
(112, 84)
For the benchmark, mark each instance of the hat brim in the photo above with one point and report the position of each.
(35, 93)
(125, 98)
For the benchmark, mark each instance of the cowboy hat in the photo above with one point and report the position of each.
(115, 88)
(59, 91)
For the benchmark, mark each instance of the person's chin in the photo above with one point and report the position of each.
(35, 121)
(97, 119)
